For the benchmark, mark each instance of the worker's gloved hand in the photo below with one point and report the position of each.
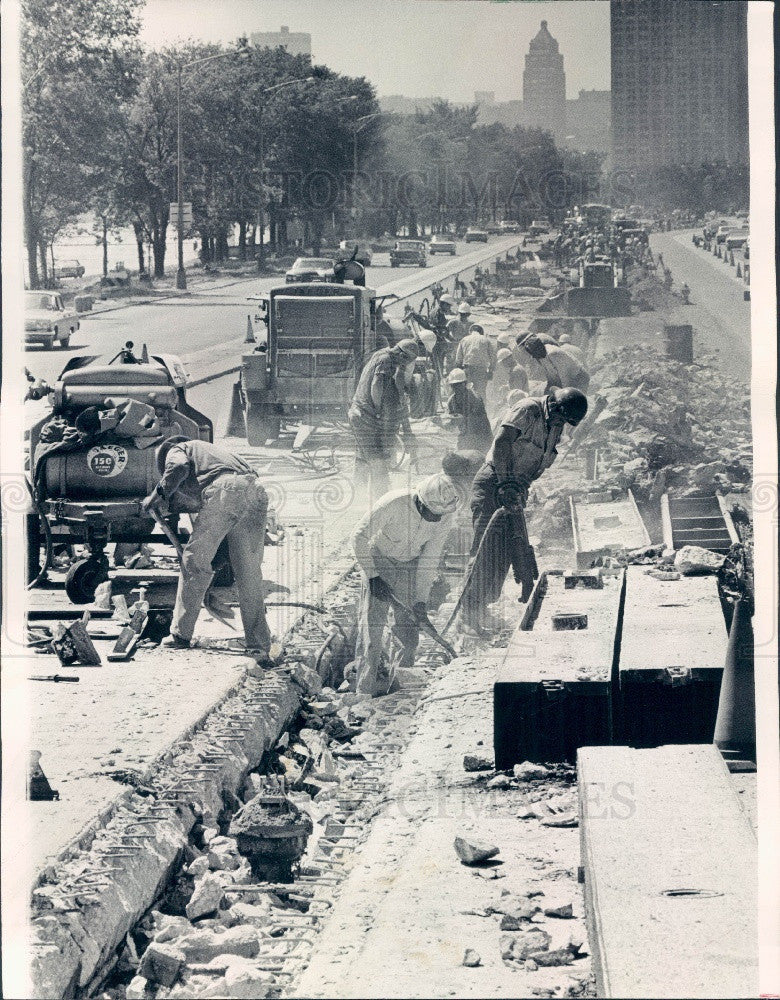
(154, 500)
(420, 611)
(380, 589)
(512, 495)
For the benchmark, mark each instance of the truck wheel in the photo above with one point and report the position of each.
(32, 539)
(83, 579)
(260, 424)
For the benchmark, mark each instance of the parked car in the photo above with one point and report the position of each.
(493, 228)
(364, 255)
(737, 239)
(408, 252)
(442, 244)
(538, 228)
(46, 319)
(69, 269)
(476, 235)
(509, 226)
(310, 269)
(723, 231)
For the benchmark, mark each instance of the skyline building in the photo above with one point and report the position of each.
(544, 85)
(297, 43)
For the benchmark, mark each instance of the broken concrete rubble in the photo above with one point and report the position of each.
(206, 898)
(161, 964)
(471, 852)
(692, 560)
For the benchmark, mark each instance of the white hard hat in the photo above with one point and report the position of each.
(503, 354)
(464, 307)
(438, 493)
(456, 375)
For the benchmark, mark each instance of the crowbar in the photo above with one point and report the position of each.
(426, 627)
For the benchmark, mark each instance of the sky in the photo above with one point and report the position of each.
(418, 48)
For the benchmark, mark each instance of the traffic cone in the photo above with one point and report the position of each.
(735, 726)
(739, 270)
(144, 356)
(235, 424)
(250, 333)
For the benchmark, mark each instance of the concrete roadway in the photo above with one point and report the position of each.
(718, 312)
(215, 313)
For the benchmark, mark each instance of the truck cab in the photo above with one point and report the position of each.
(306, 367)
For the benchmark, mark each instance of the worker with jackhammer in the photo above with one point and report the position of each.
(230, 503)
(379, 409)
(523, 448)
(476, 355)
(398, 545)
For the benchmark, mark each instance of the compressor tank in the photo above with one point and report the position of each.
(103, 470)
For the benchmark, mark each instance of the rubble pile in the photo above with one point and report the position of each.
(658, 426)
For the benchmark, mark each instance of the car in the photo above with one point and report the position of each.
(363, 255)
(476, 235)
(493, 228)
(509, 226)
(46, 319)
(442, 244)
(310, 269)
(723, 231)
(69, 269)
(408, 252)
(737, 239)
(539, 228)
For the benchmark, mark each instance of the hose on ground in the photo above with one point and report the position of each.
(47, 535)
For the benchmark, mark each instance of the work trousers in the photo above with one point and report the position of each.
(479, 379)
(507, 546)
(376, 658)
(233, 507)
(372, 453)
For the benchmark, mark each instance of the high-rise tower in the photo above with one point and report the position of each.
(544, 85)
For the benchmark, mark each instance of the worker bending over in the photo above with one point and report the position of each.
(230, 503)
(474, 431)
(379, 410)
(524, 447)
(552, 365)
(398, 545)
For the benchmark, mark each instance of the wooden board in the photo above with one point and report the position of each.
(654, 822)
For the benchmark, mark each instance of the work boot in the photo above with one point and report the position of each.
(262, 658)
(173, 641)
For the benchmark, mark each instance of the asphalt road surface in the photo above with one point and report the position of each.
(718, 311)
(217, 314)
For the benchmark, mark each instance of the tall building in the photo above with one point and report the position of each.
(544, 85)
(588, 121)
(679, 82)
(297, 43)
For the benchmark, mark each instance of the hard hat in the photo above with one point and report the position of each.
(447, 300)
(409, 347)
(503, 354)
(438, 493)
(573, 404)
(504, 339)
(456, 375)
(564, 339)
(165, 447)
(476, 328)
(464, 307)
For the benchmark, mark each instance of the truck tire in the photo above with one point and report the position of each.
(260, 424)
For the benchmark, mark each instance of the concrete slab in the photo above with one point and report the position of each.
(670, 862)
(672, 652)
(609, 528)
(552, 691)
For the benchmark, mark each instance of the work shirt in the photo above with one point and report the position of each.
(476, 351)
(191, 466)
(558, 368)
(534, 449)
(393, 532)
(457, 329)
(380, 366)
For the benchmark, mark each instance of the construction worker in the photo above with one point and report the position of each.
(457, 329)
(437, 321)
(398, 546)
(523, 448)
(511, 375)
(230, 503)
(476, 355)
(566, 344)
(553, 365)
(474, 431)
(379, 410)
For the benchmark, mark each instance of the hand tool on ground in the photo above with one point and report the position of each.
(208, 603)
(474, 563)
(426, 627)
(53, 677)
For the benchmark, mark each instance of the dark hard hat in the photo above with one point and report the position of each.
(165, 447)
(573, 404)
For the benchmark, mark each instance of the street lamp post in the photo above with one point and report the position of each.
(357, 126)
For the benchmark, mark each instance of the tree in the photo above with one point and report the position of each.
(74, 71)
